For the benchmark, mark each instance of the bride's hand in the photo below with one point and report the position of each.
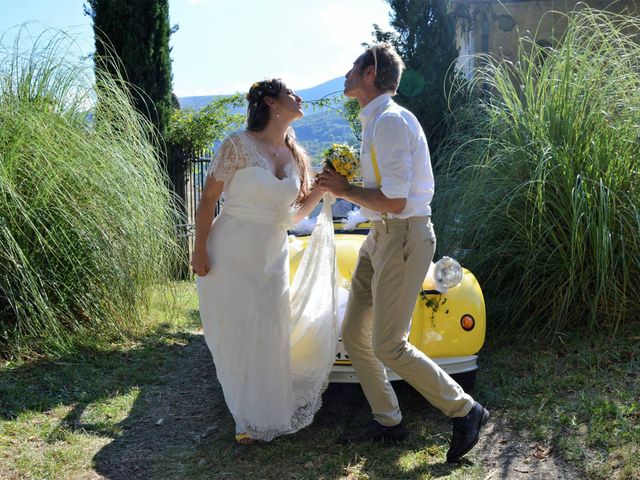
(316, 183)
(200, 262)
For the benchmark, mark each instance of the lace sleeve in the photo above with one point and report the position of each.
(226, 161)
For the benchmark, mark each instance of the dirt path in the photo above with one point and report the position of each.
(506, 455)
(178, 411)
(185, 410)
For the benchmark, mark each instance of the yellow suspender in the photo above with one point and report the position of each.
(376, 171)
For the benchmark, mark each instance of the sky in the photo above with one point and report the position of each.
(223, 46)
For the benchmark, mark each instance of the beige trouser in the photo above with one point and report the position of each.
(391, 267)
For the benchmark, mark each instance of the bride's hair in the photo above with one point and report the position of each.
(258, 113)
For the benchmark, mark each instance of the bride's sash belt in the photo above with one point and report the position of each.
(264, 215)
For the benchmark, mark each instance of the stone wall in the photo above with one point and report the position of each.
(494, 27)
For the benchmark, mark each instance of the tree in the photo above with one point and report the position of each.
(132, 37)
(425, 39)
(350, 111)
(193, 130)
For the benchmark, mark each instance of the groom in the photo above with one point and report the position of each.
(394, 259)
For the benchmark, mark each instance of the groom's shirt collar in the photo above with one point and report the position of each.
(371, 109)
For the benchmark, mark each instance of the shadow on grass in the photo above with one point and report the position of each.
(114, 394)
(164, 411)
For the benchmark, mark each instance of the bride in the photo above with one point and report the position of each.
(272, 345)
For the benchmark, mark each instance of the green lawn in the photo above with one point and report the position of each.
(152, 409)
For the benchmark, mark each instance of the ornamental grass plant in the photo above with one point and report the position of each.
(86, 225)
(540, 193)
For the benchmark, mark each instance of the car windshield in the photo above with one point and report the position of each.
(339, 210)
(346, 218)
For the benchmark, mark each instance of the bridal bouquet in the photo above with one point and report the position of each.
(343, 159)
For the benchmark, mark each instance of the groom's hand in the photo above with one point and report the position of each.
(335, 183)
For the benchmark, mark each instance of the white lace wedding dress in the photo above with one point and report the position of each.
(272, 345)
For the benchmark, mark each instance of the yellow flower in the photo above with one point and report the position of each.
(343, 159)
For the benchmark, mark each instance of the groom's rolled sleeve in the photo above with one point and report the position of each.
(392, 144)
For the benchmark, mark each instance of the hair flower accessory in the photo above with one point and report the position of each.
(343, 159)
(255, 85)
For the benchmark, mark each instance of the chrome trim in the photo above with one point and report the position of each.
(451, 365)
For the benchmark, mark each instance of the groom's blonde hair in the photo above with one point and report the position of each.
(388, 66)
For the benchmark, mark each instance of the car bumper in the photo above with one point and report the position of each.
(344, 373)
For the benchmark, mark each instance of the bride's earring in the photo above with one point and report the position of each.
(277, 114)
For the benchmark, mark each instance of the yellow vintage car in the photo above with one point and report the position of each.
(449, 320)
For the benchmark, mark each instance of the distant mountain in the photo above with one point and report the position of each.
(319, 128)
(334, 86)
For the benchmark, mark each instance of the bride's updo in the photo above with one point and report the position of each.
(258, 111)
(258, 114)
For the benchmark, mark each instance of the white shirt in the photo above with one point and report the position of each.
(402, 155)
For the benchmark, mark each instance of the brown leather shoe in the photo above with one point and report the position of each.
(466, 431)
(375, 433)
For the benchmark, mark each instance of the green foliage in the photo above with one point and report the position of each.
(579, 395)
(194, 130)
(425, 39)
(316, 131)
(137, 33)
(541, 198)
(85, 215)
(350, 111)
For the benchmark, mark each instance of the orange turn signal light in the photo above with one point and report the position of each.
(467, 322)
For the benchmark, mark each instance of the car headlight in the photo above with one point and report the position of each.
(447, 273)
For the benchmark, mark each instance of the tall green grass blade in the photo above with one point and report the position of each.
(540, 193)
(85, 214)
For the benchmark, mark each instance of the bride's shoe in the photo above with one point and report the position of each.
(244, 439)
